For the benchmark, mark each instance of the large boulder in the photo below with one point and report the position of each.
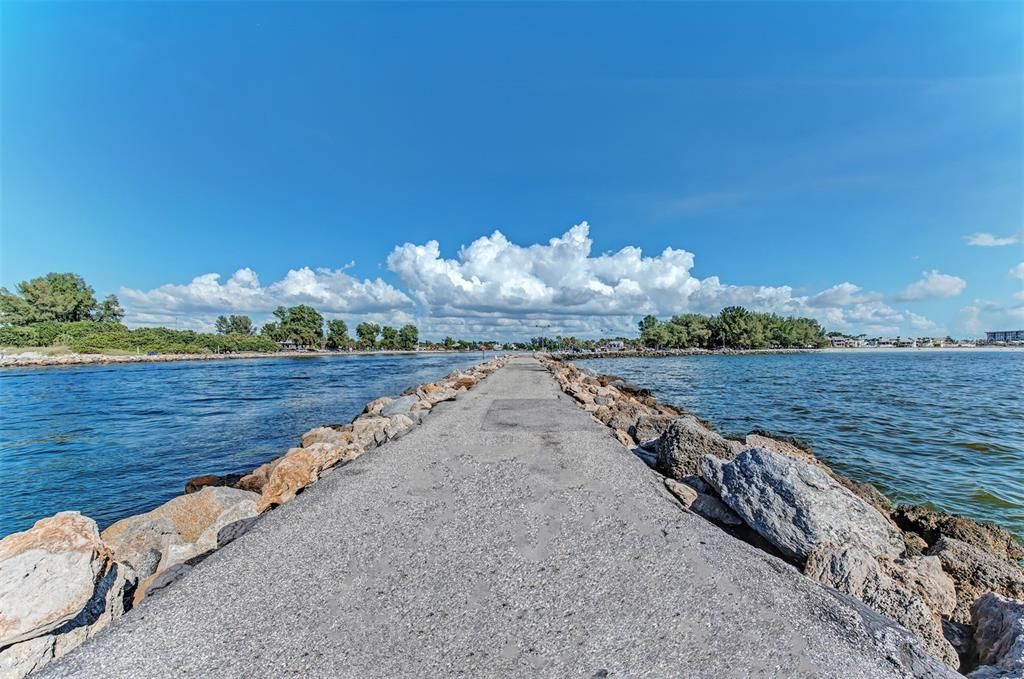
(400, 406)
(684, 442)
(797, 506)
(59, 584)
(178, 529)
(998, 637)
(855, 572)
(932, 524)
(434, 393)
(976, 572)
(197, 483)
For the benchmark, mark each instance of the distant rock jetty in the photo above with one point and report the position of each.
(62, 581)
(954, 583)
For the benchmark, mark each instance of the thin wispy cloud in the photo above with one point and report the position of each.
(988, 240)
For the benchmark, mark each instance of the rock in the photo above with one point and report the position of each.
(434, 393)
(168, 577)
(684, 493)
(998, 636)
(783, 445)
(59, 585)
(603, 400)
(466, 382)
(856, 572)
(256, 479)
(366, 427)
(649, 427)
(48, 574)
(293, 473)
(914, 544)
(624, 438)
(189, 522)
(931, 525)
(974, 573)
(235, 530)
(625, 413)
(197, 483)
(684, 442)
(702, 504)
(400, 406)
(924, 576)
(375, 406)
(961, 638)
(398, 425)
(328, 435)
(797, 506)
(905, 651)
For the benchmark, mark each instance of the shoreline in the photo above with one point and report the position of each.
(670, 353)
(35, 360)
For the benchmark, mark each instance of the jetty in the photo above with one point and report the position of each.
(508, 535)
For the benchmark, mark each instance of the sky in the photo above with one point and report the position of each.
(505, 170)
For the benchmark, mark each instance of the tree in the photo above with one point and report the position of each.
(300, 324)
(408, 337)
(337, 334)
(64, 297)
(388, 338)
(367, 335)
(235, 325)
(109, 310)
(448, 343)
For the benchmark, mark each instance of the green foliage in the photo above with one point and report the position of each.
(367, 335)
(235, 325)
(388, 338)
(408, 337)
(109, 310)
(91, 337)
(734, 328)
(54, 297)
(18, 336)
(300, 324)
(337, 334)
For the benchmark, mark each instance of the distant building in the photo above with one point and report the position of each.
(1005, 336)
(614, 345)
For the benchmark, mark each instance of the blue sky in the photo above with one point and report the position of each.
(828, 159)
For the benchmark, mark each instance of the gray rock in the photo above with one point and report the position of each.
(400, 406)
(380, 438)
(998, 636)
(684, 442)
(715, 511)
(855, 572)
(899, 646)
(233, 531)
(649, 427)
(59, 585)
(168, 578)
(974, 573)
(603, 400)
(797, 506)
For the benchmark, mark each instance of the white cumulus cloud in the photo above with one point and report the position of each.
(331, 291)
(989, 240)
(1018, 271)
(933, 285)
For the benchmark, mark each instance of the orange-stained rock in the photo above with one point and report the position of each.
(295, 471)
(59, 584)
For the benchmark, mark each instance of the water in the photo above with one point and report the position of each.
(111, 441)
(942, 428)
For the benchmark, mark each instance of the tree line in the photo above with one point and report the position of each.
(734, 328)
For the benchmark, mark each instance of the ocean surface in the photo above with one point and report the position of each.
(944, 428)
(111, 441)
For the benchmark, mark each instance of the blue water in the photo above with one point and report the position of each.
(944, 428)
(111, 441)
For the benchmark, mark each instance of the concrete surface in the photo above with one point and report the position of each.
(508, 536)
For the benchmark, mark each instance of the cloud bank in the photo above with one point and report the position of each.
(500, 289)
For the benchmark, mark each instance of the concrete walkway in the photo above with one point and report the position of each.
(510, 535)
